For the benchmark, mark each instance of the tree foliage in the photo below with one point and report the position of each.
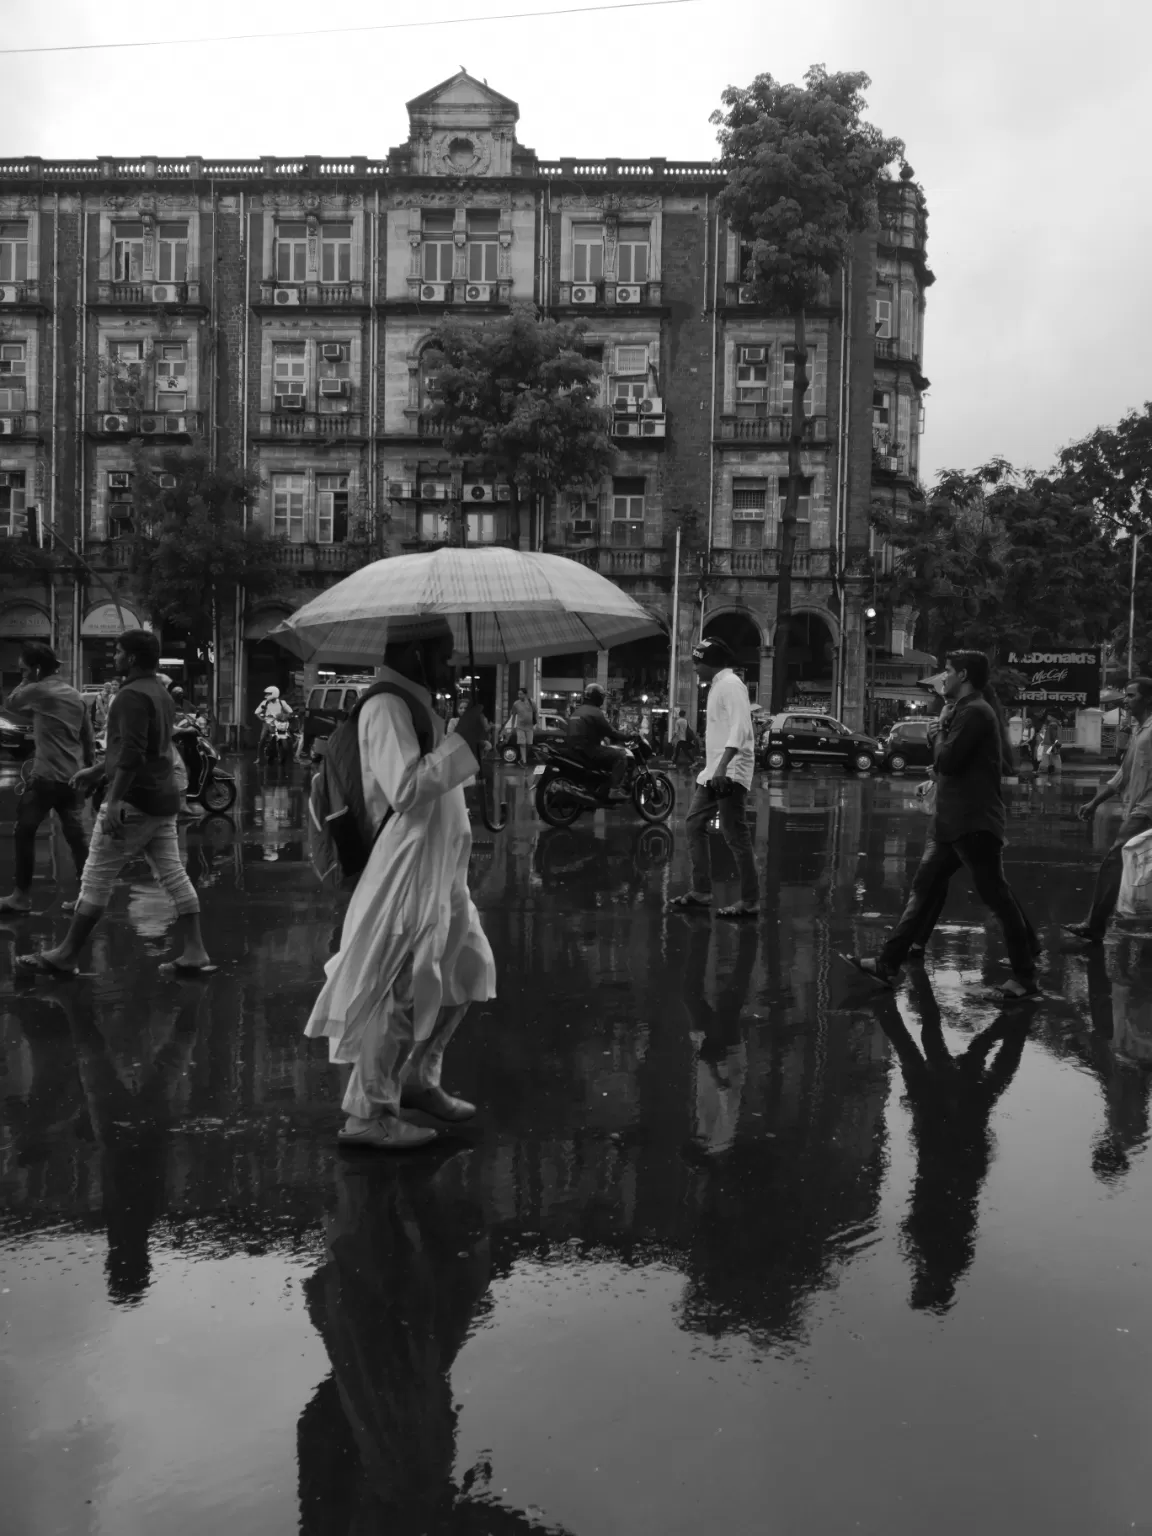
(517, 399)
(191, 549)
(803, 171)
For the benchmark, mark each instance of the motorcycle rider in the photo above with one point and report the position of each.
(272, 707)
(588, 730)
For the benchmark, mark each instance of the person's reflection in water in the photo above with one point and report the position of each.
(130, 1110)
(407, 1269)
(716, 1032)
(951, 1099)
(1118, 1009)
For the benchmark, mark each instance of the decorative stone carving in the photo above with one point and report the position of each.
(461, 153)
(618, 204)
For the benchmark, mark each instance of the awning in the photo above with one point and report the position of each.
(106, 622)
(24, 621)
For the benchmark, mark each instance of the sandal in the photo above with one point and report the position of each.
(738, 912)
(869, 966)
(182, 968)
(690, 901)
(36, 965)
(1007, 993)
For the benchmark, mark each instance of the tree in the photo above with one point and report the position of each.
(191, 549)
(518, 400)
(804, 171)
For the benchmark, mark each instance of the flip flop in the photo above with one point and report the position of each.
(8, 910)
(867, 966)
(690, 902)
(178, 968)
(737, 913)
(1002, 995)
(36, 965)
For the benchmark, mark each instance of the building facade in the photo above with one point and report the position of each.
(279, 311)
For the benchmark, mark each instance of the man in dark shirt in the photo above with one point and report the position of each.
(969, 831)
(138, 817)
(588, 729)
(62, 731)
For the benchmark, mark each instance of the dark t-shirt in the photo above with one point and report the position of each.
(969, 759)
(588, 726)
(140, 738)
(61, 727)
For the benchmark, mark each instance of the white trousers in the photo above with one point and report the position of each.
(390, 1057)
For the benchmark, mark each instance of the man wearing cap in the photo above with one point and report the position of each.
(723, 784)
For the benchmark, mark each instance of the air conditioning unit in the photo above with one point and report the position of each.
(332, 352)
(175, 423)
(628, 294)
(402, 490)
(503, 493)
(119, 480)
(116, 423)
(9, 426)
(149, 425)
(289, 402)
(9, 293)
(333, 386)
(746, 294)
(434, 293)
(165, 293)
(582, 526)
(166, 482)
(478, 293)
(625, 429)
(479, 493)
(433, 490)
(651, 406)
(626, 406)
(652, 427)
(584, 293)
(749, 355)
(286, 296)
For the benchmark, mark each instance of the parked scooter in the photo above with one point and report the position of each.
(208, 784)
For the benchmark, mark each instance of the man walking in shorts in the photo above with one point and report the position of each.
(138, 816)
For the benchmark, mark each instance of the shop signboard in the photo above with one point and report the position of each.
(23, 621)
(1058, 678)
(107, 622)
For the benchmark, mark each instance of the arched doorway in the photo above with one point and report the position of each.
(268, 663)
(738, 629)
(810, 660)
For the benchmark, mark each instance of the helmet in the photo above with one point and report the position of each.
(271, 693)
(594, 694)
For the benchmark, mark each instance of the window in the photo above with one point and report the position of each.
(487, 527)
(120, 524)
(13, 507)
(335, 253)
(13, 251)
(127, 361)
(881, 410)
(291, 257)
(13, 370)
(288, 497)
(331, 509)
(127, 252)
(625, 391)
(628, 512)
(335, 373)
(632, 360)
(289, 375)
(171, 376)
(587, 253)
(483, 245)
(582, 519)
(172, 253)
(747, 535)
(750, 496)
(632, 253)
(790, 376)
(439, 248)
(752, 381)
(883, 313)
(435, 527)
(744, 269)
(803, 510)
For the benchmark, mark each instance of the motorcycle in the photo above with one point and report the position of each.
(280, 742)
(209, 784)
(566, 786)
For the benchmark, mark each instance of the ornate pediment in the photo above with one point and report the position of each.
(462, 128)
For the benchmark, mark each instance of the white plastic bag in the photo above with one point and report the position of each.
(1136, 885)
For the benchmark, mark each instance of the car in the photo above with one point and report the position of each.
(550, 729)
(801, 736)
(15, 733)
(906, 745)
(324, 708)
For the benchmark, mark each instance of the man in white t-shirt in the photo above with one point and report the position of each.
(723, 784)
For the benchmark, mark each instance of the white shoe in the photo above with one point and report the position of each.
(388, 1134)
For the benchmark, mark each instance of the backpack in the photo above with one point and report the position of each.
(340, 834)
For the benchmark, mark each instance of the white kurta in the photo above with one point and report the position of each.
(412, 901)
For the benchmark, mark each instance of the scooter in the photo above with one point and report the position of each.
(566, 786)
(209, 784)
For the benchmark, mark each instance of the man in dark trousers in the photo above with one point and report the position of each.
(62, 731)
(588, 729)
(969, 831)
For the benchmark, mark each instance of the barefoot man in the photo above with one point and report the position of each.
(413, 956)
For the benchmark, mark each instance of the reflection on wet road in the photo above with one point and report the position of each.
(734, 1245)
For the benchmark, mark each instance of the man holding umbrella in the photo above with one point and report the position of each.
(413, 955)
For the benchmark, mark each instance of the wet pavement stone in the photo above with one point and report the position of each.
(734, 1245)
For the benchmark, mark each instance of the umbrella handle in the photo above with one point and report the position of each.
(487, 816)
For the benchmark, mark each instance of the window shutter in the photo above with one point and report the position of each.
(903, 421)
(820, 528)
(818, 368)
(906, 323)
(772, 523)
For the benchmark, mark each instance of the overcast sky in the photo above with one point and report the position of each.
(1026, 124)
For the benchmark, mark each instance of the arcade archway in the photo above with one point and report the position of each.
(739, 629)
(811, 658)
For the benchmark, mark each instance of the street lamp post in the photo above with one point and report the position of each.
(1132, 607)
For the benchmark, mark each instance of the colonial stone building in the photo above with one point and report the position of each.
(279, 310)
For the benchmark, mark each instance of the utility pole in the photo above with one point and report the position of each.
(674, 656)
(1132, 608)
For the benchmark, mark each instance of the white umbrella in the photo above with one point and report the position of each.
(520, 605)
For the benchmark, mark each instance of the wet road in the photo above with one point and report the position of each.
(733, 1247)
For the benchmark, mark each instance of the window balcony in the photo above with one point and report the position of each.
(151, 294)
(889, 457)
(124, 424)
(811, 564)
(19, 424)
(305, 426)
(770, 429)
(433, 296)
(24, 294)
(620, 562)
(894, 349)
(275, 295)
(323, 557)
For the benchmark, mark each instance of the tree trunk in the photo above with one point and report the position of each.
(788, 523)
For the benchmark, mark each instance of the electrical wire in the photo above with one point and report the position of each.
(388, 26)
